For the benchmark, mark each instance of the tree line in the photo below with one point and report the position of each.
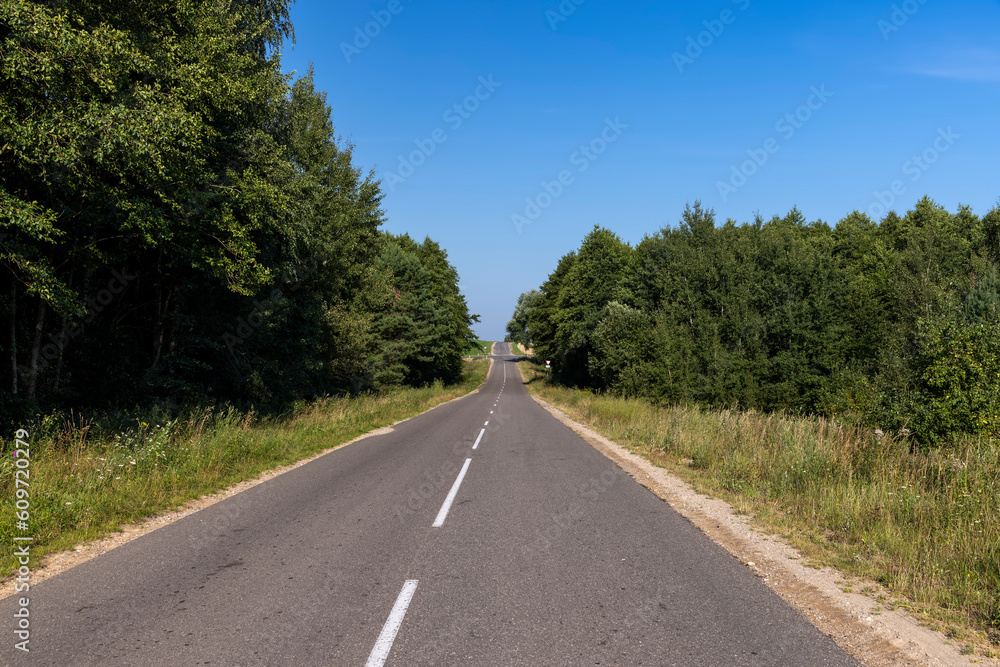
(895, 323)
(179, 222)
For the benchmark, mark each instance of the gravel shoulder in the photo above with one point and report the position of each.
(874, 636)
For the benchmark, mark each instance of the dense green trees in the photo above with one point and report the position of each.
(892, 322)
(517, 328)
(178, 221)
(427, 325)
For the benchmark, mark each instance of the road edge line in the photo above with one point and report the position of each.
(868, 643)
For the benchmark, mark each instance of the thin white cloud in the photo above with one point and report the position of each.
(970, 65)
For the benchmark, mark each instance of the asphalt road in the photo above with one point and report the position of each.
(547, 554)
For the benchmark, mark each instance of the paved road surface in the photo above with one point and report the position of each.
(547, 554)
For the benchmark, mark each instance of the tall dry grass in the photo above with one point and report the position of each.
(925, 524)
(88, 477)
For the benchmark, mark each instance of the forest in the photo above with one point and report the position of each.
(894, 324)
(181, 225)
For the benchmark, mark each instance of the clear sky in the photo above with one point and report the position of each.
(642, 107)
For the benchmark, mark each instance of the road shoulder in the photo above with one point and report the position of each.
(61, 561)
(873, 636)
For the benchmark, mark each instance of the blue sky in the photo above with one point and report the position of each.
(639, 108)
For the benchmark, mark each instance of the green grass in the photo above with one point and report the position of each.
(924, 524)
(517, 348)
(85, 483)
(479, 347)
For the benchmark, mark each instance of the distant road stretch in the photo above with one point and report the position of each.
(483, 532)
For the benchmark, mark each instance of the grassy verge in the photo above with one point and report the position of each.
(85, 484)
(479, 347)
(516, 349)
(922, 524)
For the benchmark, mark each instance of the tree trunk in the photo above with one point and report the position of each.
(159, 331)
(161, 313)
(36, 349)
(13, 335)
(59, 360)
(63, 342)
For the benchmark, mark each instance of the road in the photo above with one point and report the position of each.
(543, 553)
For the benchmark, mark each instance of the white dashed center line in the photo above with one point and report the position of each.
(382, 647)
(443, 512)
